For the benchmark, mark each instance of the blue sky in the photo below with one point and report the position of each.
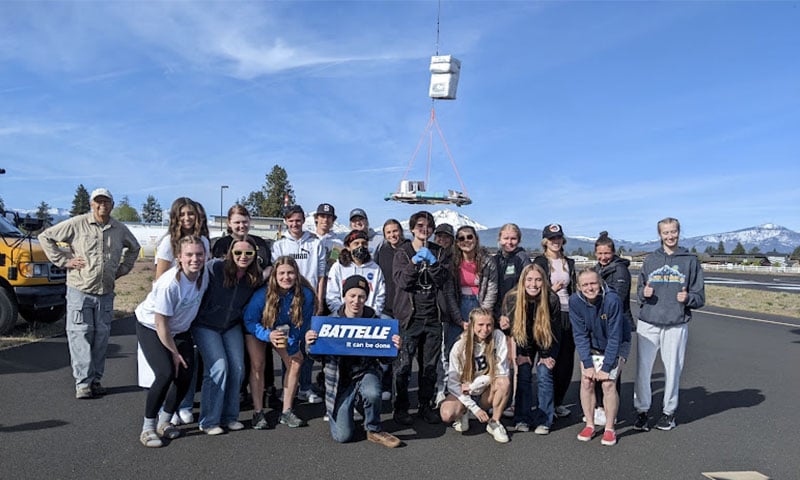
(596, 115)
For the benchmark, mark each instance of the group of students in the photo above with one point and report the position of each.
(479, 325)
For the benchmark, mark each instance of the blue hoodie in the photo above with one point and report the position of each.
(667, 275)
(597, 326)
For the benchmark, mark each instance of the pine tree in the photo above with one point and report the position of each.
(721, 248)
(755, 251)
(268, 202)
(694, 250)
(2, 205)
(738, 249)
(80, 204)
(710, 250)
(124, 212)
(151, 210)
(796, 253)
(43, 214)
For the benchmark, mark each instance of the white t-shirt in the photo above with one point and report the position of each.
(178, 299)
(164, 249)
(560, 273)
(456, 366)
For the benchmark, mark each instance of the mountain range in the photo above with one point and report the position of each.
(767, 237)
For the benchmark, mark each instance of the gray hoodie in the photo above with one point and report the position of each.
(668, 275)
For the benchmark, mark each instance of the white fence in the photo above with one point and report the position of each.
(721, 268)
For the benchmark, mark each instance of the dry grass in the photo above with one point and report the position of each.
(131, 290)
(758, 301)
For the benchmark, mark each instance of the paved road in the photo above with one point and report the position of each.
(738, 412)
(753, 281)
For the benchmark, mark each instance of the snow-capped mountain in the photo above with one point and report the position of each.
(767, 237)
(452, 217)
(339, 229)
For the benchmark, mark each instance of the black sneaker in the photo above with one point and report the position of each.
(260, 421)
(429, 415)
(401, 417)
(666, 422)
(98, 390)
(641, 422)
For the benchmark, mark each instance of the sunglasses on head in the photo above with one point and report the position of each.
(246, 253)
(468, 236)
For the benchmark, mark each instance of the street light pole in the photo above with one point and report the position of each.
(221, 189)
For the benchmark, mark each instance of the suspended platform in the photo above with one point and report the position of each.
(413, 192)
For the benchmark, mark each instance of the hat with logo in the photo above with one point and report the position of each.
(355, 281)
(292, 209)
(552, 230)
(357, 212)
(445, 228)
(101, 192)
(325, 209)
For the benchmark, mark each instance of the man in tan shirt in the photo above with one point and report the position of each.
(101, 249)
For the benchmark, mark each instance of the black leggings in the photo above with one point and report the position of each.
(565, 362)
(424, 338)
(167, 389)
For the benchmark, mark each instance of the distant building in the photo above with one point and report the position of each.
(745, 259)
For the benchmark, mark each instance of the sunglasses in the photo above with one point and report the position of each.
(246, 253)
(462, 238)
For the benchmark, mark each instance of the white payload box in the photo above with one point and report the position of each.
(445, 70)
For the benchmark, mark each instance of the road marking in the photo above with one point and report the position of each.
(735, 475)
(772, 322)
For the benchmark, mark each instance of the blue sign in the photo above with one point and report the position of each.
(364, 337)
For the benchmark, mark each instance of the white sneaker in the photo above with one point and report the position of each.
(235, 425)
(542, 430)
(308, 396)
(386, 396)
(326, 418)
(213, 430)
(498, 431)
(478, 386)
(562, 411)
(599, 416)
(183, 416)
(462, 424)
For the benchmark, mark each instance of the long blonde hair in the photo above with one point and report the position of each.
(272, 306)
(468, 373)
(542, 332)
(560, 255)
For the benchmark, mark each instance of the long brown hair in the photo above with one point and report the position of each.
(200, 228)
(468, 373)
(542, 332)
(253, 272)
(272, 306)
(479, 252)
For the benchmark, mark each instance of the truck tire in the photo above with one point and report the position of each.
(50, 315)
(8, 311)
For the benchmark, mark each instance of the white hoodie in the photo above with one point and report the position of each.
(308, 252)
(370, 270)
(456, 366)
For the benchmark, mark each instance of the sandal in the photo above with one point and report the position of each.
(168, 430)
(150, 439)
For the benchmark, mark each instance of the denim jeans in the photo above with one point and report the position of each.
(88, 326)
(524, 395)
(223, 369)
(544, 388)
(366, 390)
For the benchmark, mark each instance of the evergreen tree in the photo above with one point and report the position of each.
(268, 202)
(151, 210)
(721, 248)
(796, 253)
(755, 251)
(694, 250)
(43, 214)
(2, 205)
(710, 250)
(738, 249)
(80, 204)
(124, 212)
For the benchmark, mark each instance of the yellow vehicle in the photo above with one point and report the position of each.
(30, 285)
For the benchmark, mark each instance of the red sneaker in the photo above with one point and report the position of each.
(609, 438)
(586, 434)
